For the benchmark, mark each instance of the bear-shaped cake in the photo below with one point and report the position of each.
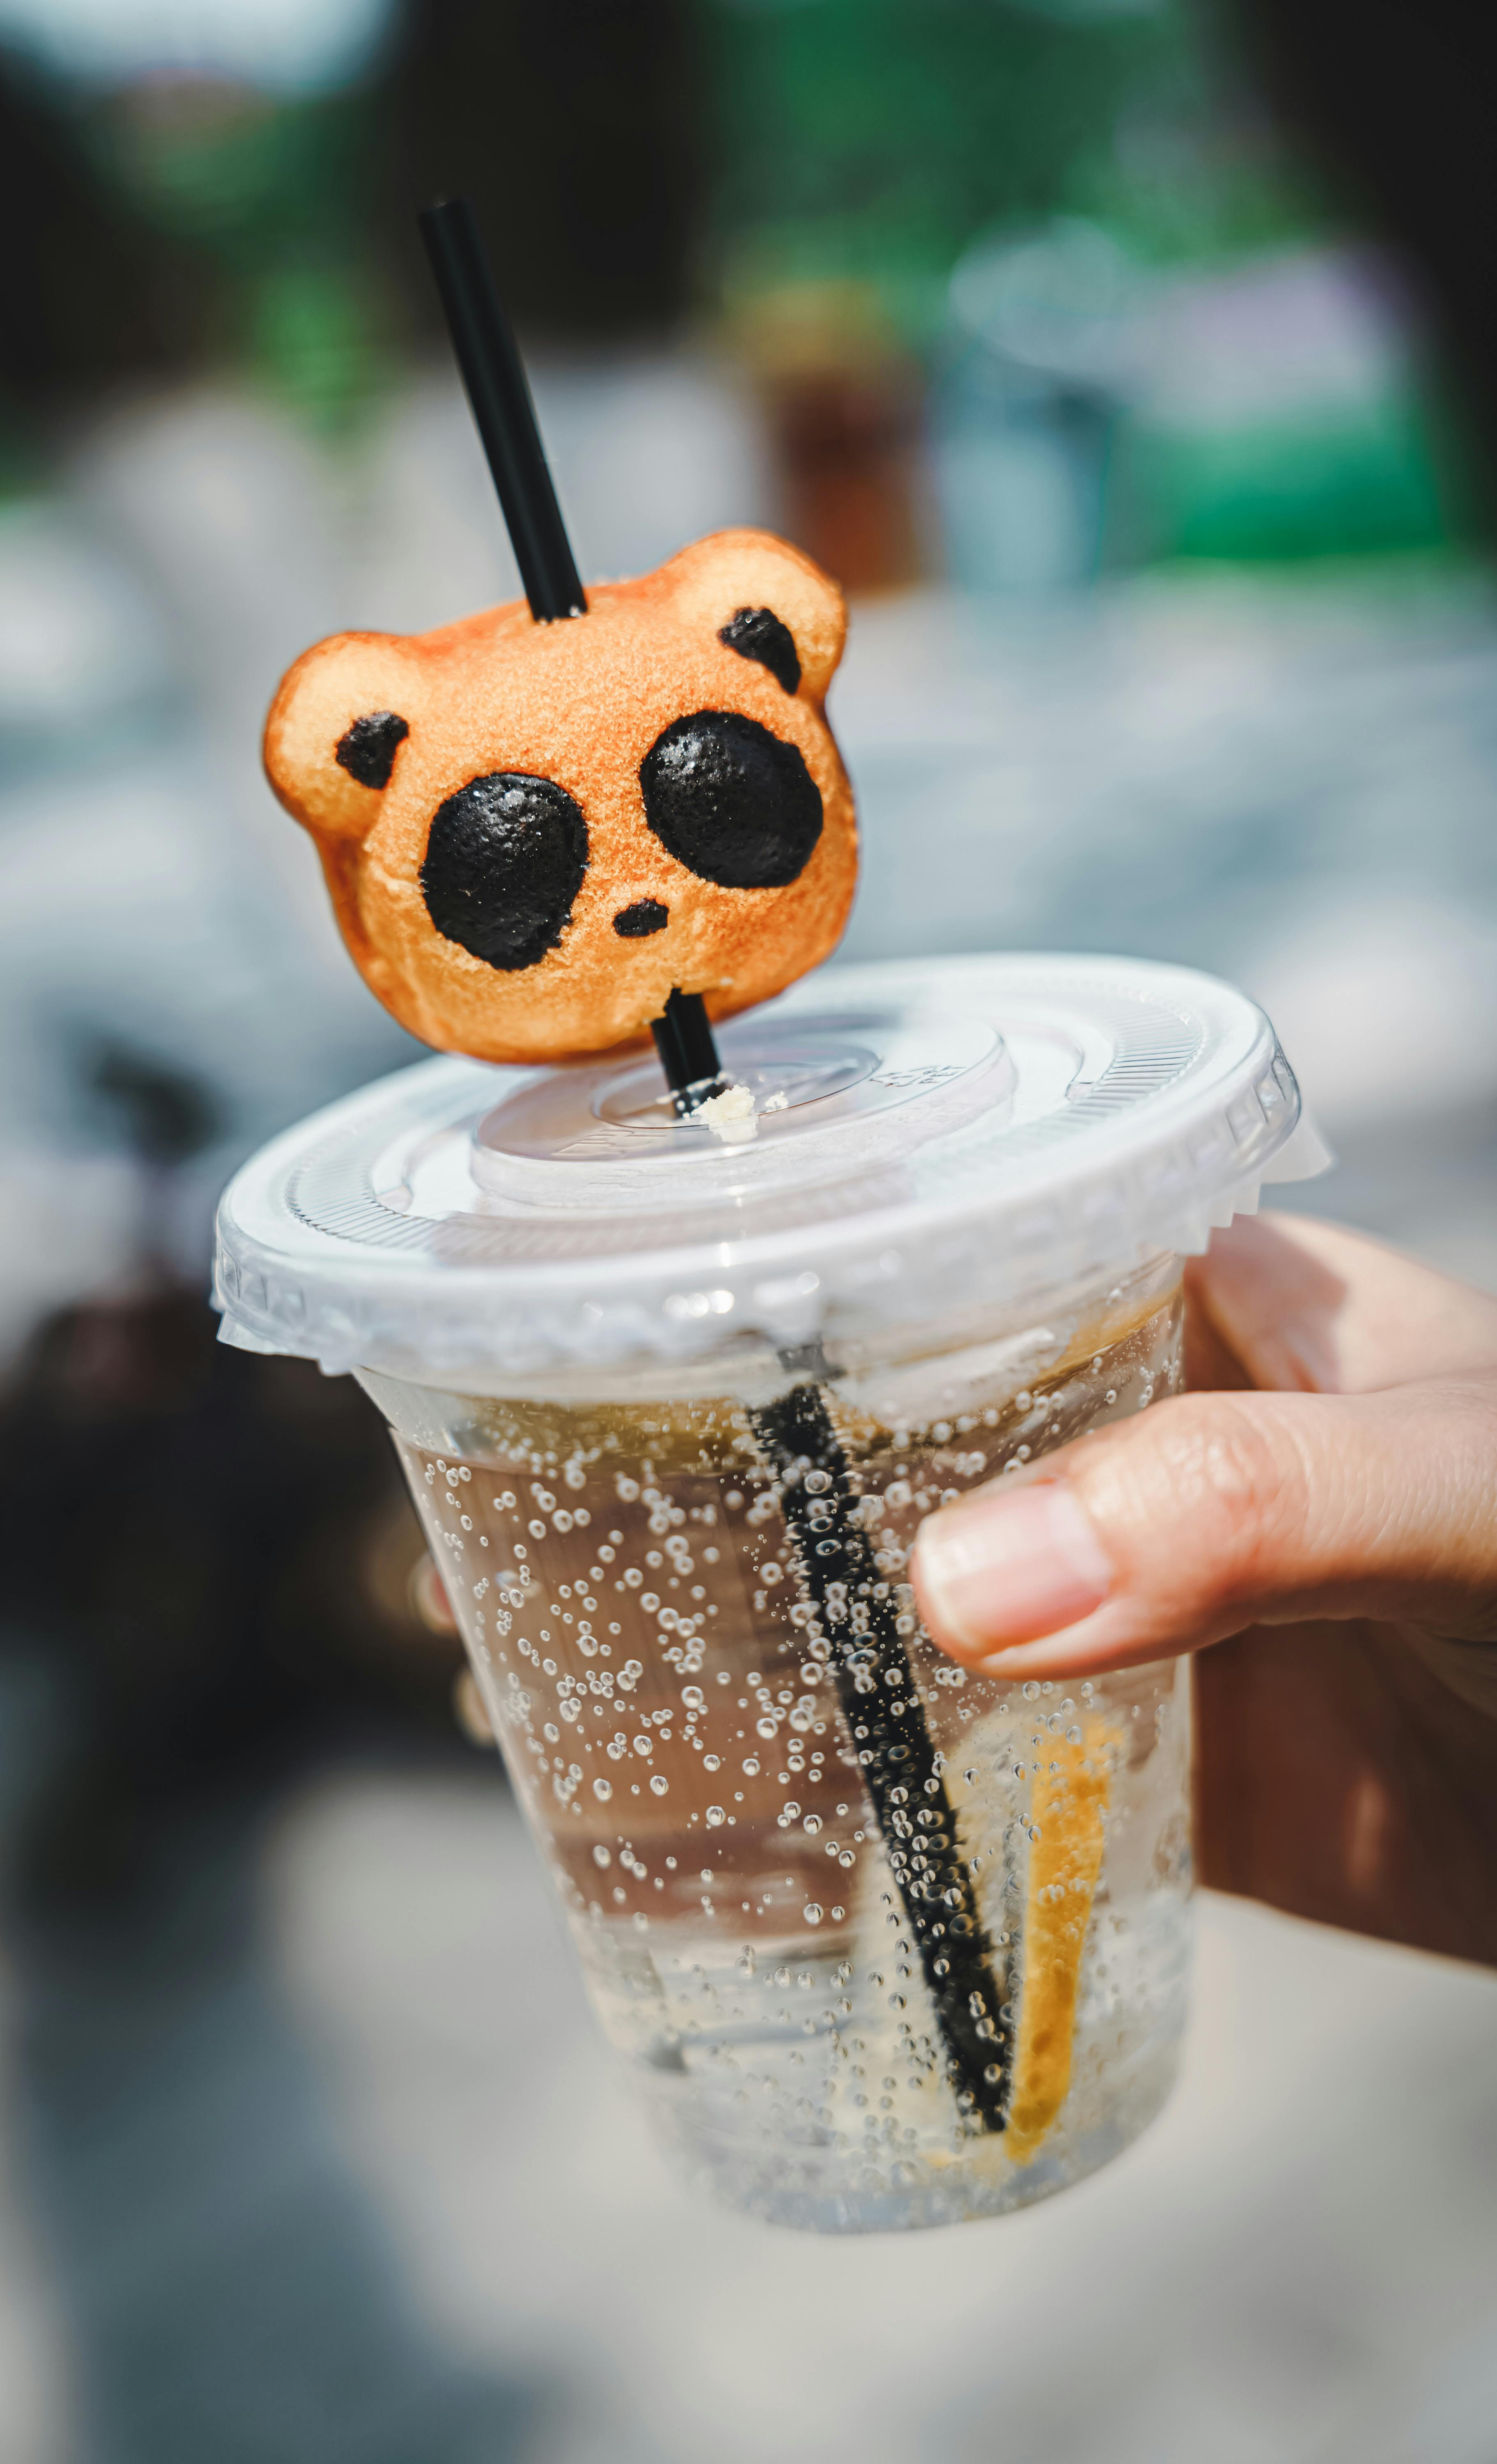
(533, 832)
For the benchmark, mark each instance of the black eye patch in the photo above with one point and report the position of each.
(504, 863)
(368, 749)
(758, 634)
(733, 803)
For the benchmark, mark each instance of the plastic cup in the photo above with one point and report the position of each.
(883, 1943)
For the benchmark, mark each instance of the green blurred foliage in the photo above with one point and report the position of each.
(184, 227)
(239, 172)
(1367, 482)
(275, 198)
(639, 163)
(870, 139)
(671, 155)
(1192, 171)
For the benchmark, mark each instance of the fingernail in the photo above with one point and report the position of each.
(1008, 1567)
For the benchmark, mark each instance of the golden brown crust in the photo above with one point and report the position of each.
(578, 703)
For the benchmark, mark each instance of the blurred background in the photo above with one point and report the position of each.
(1134, 364)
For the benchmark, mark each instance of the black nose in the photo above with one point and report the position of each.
(732, 802)
(504, 862)
(646, 916)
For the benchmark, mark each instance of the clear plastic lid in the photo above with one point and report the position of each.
(987, 1127)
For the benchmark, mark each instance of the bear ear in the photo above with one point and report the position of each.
(767, 602)
(335, 728)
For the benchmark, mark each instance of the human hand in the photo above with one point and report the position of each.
(1321, 1509)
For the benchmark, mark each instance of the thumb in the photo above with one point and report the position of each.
(1214, 1512)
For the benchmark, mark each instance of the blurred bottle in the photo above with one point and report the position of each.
(1042, 332)
(845, 411)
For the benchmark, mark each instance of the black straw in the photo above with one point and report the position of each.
(886, 1718)
(876, 1684)
(495, 375)
(688, 1052)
